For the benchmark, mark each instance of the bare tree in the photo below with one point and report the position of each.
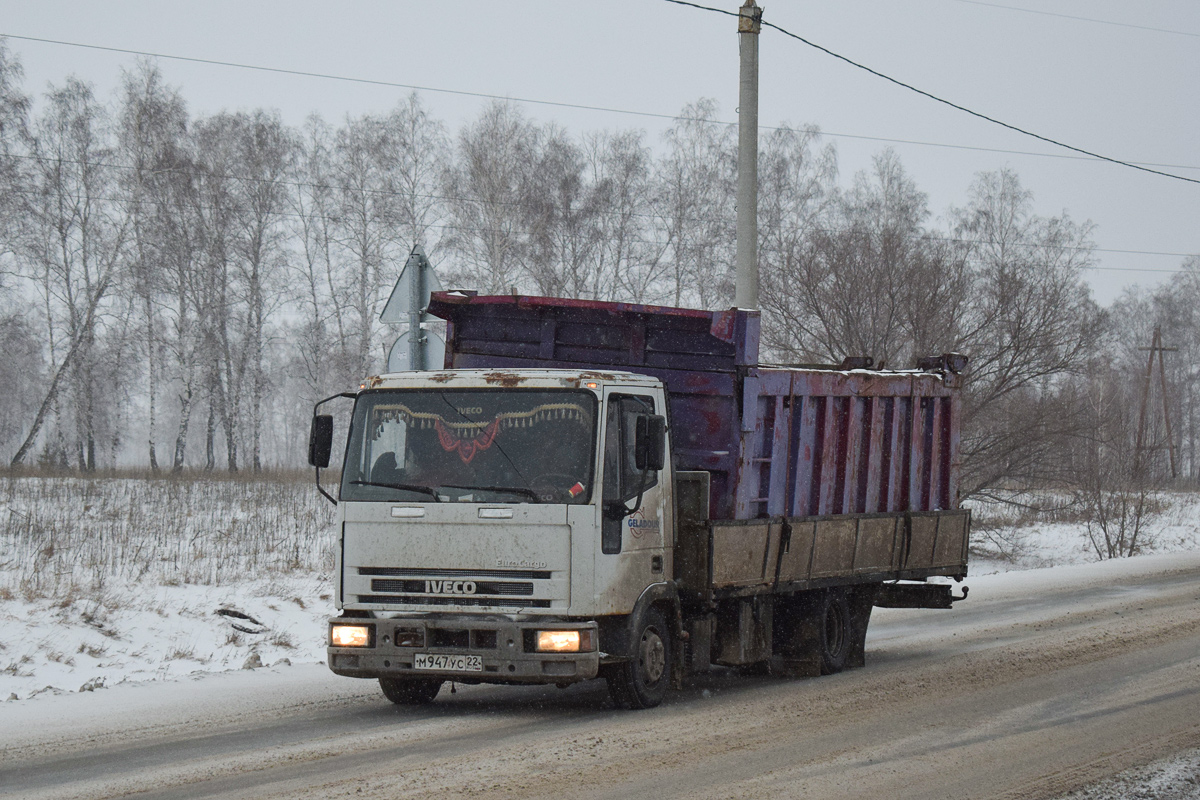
(1031, 322)
(560, 215)
(322, 333)
(627, 261)
(416, 159)
(264, 153)
(180, 238)
(695, 206)
(14, 139)
(1115, 500)
(1173, 308)
(485, 188)
(22, 364)
(223, 340)
(845, 289)
(153, 121)
(796, 193)
(72, 253)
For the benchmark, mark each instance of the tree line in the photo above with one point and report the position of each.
(177, 290)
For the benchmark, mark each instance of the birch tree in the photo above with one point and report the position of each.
(22, 364)
(218, 306)
(153, 122)
(264, 151)
(72, 254)
(628, 260)
(695, 205)
(14, 139)
(486, 187)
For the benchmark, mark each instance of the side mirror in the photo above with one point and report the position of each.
(650, 444)
(320, 440)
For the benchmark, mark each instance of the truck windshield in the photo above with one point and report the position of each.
(483, 446)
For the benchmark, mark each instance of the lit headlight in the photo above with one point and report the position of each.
(564, 642)
(350, 636)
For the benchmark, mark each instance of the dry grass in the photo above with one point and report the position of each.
(69, 537)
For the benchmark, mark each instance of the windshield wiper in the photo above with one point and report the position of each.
(410, 487)
(530, 493)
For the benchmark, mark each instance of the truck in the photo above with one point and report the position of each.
(607, 490)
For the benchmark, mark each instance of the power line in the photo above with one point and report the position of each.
(1136, 269)
(953, 105)
(978, 149)
(1082, 19)
(332, 77)
(985, 117)
(577, 106)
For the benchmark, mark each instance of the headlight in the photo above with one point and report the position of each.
(564, 642)
(350, 636)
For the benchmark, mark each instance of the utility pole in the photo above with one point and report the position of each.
(416, 310)
(1155, 348)
(746, 281)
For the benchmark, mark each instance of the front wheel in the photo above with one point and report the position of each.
(641, 682)
(410, 691)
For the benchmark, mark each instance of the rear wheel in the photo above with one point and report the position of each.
(641, 682)
(410, 691)
(834, 632)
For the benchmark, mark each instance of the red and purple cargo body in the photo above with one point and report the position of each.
(777, 441)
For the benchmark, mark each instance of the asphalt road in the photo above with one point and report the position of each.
(1035, 686)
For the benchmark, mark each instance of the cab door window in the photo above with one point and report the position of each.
(623, 481)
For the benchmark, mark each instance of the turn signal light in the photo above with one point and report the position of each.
(565, 642)
(350, 636)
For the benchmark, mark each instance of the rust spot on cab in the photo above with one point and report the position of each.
(506, 379)
(442, 377)
(374, 381)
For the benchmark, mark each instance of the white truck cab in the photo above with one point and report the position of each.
(504, 527)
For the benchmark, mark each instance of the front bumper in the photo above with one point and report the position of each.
(503, 648)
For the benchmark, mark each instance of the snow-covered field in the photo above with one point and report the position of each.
(109, 581)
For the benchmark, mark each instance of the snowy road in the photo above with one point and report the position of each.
(1040, 683)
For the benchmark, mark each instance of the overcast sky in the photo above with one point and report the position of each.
(1122, 83)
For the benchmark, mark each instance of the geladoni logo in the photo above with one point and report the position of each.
(639, 525)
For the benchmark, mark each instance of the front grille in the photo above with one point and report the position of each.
(456, 600)
(446, 638)
(456, 640)
(385, 586)
(422, 572)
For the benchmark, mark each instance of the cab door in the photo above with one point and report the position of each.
(633, 502)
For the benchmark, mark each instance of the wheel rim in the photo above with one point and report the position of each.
(652, 655)
(835, 630)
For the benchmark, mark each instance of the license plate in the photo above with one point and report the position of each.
(448, 662)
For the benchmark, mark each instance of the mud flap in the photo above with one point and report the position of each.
(797, 652)
(797, 639)
(862, 600)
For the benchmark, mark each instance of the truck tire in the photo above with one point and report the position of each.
(410, 691)
(641, 682)
(834, 631)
